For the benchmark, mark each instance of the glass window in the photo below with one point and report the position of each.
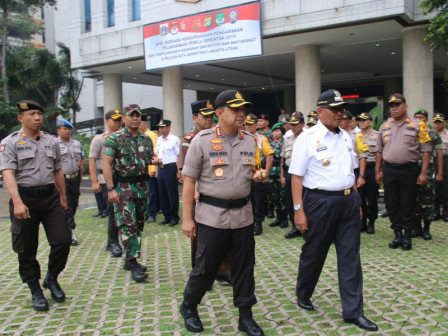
(110, 13)
(136, 10)
(87, 16)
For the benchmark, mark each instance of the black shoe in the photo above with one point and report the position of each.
(305, 304)
(284, 223)
(397, 240)
(436, 215)
(363, 225)
(136, 273)
(151, 219)
(39, 301)
(224, 278)
(74, 240)
(165, 221)
(445, 217)
(270, 213)
(51, 282)
(104, 215)
(293, 233)
(173, 222)
(406, 243)
(248, 325)
(115, 250)
(370, 229)
(191, 317)
(128, 266)
(97, 214)
(275, 223)
(426, 235)
(258, 229)
(363, 323)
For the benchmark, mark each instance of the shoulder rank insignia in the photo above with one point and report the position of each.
(21, 142)
(241, 134)
(23, 134)
(216, 140)
(218, 131)
(189, 136)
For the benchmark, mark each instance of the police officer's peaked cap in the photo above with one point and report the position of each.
(347, 115)
(61, 122)
(129, 109)
(296, 120)
(250, 119)
(164, 123)
(330, 98)
(203, 107)
(396, 98)
(114, 114)
(438, 117)
(364, 116)
(312, 120)
(421, 111)
(27, 105)
(230, 98)
(279, 126)
(312, 114)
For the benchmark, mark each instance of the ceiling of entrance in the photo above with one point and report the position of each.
(363, 54)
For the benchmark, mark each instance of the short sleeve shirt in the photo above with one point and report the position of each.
(71, 155)
(288, 144)
(371, 138)
(96, 150)
(223, 170)
(34, 161)
(444, 136)
(168, 148)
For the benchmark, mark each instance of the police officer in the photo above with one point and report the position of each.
(263, 125)
(369, 192)
(113, 124)
(130, 152)
(221, 161)
(312, 121)
(425, 194)
(441, 188)
(167, 148)
(30, 162)
(72, 160)
(327, 208)
(297, 123)
(259, 189)
(400, 141)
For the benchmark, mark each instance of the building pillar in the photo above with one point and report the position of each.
(173, 99)
(418, 75)
(288, 99)
(113, 92)
(308, 82)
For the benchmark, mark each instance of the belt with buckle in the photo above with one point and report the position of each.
(71, 176)
(167, 165)
(401, 165)
(222, 203)
(344, 192)
(40, 191)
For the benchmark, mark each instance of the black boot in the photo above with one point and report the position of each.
(364, 225)
(258, 229)
(247, 323)
(371, 227)
(191, 317)
(277, 221)
(284, 221)
(436, 215)
(293, 233)
(417, 231)
(397, 240)
(136, 272)
(426, 234)
(406, 243)
(37, 296)
(51, 282)
(270, 213)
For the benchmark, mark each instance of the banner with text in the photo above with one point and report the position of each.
(220, 34)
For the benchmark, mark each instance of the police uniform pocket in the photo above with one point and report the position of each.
(246, 170)
(77, 152)
(410, 136)
(18, 242)
(51, 155)
(220, 168)
(25, 160)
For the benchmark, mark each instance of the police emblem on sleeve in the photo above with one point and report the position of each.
(2, 148)
(219, 172)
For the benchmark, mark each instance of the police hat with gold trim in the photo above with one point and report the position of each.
(203, 107)
(330, 98)
(250, 119)
(364, 116)
(296, 121)
(114, 114)
(129, 109)
(396, 98)
(27, 105)
(438, 117)
(347, 115)
(312, 120)
(61, 122)
(312, 114)
(164, 123)
(230, 98)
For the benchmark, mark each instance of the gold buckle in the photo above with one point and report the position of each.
(347, 192)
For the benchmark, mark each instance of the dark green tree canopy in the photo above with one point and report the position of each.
(438, 28)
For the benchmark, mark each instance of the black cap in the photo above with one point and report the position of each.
(114, 114)
(263, 116)
(144, 117)
(347, 115)
(250, 119)
(438, 117)
(330, 98)
(364, 116)
(164, 123)
(230, 98)
(27, 105)
(203, 107)
(312, 114)
(396, 98)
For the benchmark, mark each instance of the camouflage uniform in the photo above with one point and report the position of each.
(132, 155)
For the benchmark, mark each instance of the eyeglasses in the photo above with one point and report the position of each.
(334, 109)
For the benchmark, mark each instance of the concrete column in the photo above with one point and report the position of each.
(173, 97)
(308, 82)
(288, 99)
(418, 76)
(113, 92)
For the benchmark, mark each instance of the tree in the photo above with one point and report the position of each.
(22, 24)
(438, 27)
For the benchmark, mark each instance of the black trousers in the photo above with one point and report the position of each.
(112, 227)
(369, 195)
(72, 192)
(258, 199)
(168, 192)
(288, 196)
(213, 245)
(25, 235)
(332, 219)
(400, 188)
(441, 196)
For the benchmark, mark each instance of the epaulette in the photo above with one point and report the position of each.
(189, 136)
(247, 133)
(206, 132)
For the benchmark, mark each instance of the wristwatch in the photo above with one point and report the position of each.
(362, 175)
(298, 207)
(110, 188)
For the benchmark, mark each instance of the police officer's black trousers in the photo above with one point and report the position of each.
(112, 227)
(400, 188)
(213, 245)
(25, 235)
(332, 219)
(288, 196)
(168, 191)
(258, 199)
(369, 194)
(441, 195)
(72, 193)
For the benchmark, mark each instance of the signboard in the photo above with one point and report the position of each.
(219, 34)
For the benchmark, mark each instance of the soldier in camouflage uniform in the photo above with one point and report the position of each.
(425, 195)
(276, 198)
(126, 157)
